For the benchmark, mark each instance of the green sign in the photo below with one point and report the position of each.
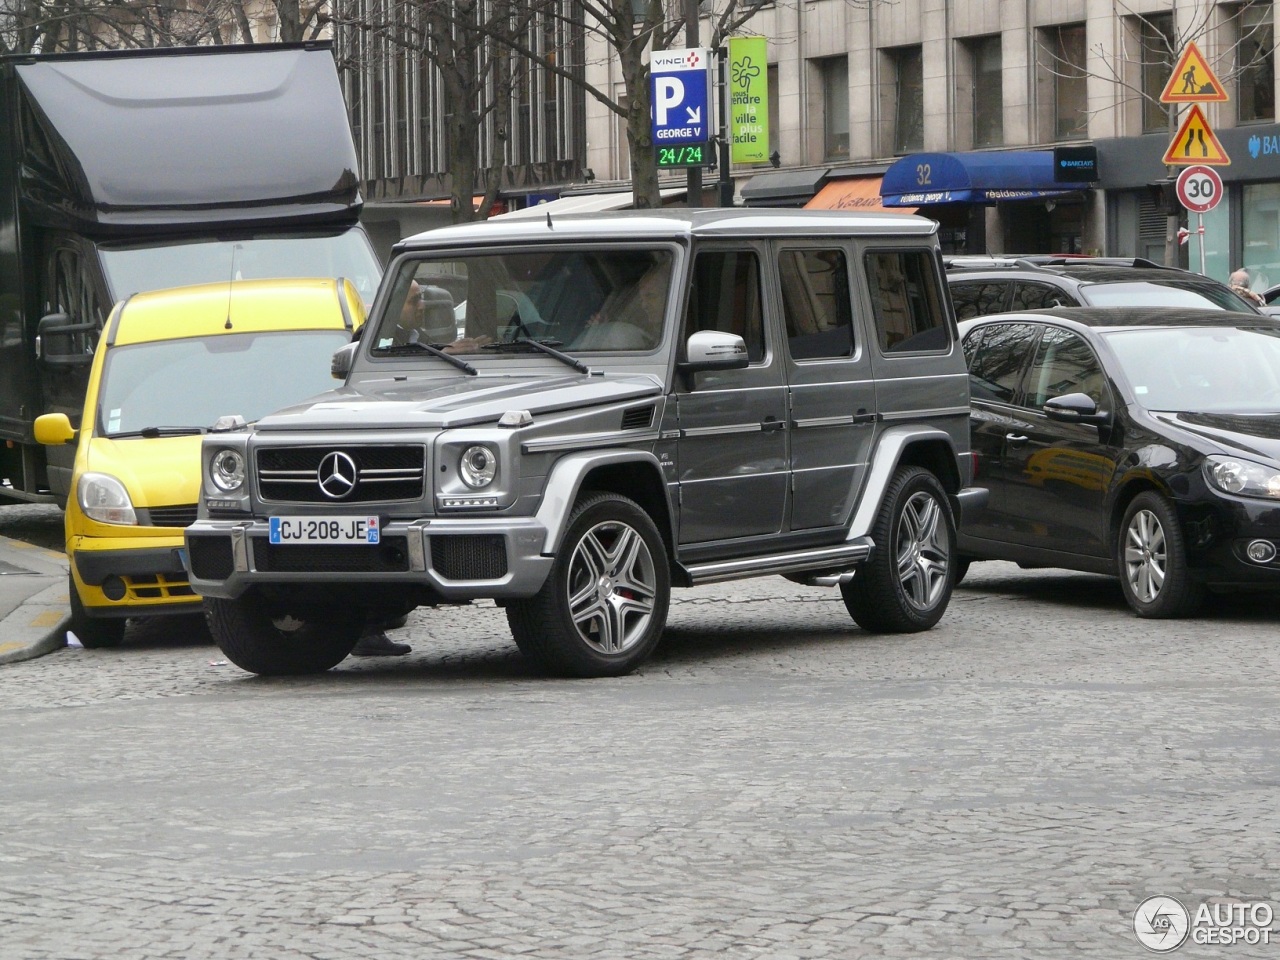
(684, 155)
(748, 100)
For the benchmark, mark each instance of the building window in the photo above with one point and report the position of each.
(1063, 80)
(1257, 59)
(908, 120)
(988, 91)
(1156, 49)
(835, 107)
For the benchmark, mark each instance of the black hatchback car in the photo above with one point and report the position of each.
(1138, 442)
(985, 285)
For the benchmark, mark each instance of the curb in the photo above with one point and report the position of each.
(38, 626)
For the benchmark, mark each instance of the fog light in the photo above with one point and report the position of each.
(1261, 551)
(113, 588)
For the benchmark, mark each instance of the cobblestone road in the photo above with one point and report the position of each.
(773, 784)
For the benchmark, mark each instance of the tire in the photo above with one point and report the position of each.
(1151, 561)
(604, 605)
(94, 633)
(906, 585)
(261, 638)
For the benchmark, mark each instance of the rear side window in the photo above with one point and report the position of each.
(1038, 296)
(996, 360)
(815, 302)
(907, 301)
(726, 297)
(977, 298)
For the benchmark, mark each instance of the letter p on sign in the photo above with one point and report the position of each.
(668, 94)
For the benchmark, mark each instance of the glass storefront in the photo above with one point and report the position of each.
(1260, 230)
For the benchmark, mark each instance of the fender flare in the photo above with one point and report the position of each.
(884, 462)
(560, 491)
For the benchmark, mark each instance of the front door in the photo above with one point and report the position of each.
(732, 450)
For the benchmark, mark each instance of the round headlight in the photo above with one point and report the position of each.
(478, 467)
(104, 498)
(226, 470)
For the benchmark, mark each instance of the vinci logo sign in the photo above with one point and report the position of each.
(748, 100)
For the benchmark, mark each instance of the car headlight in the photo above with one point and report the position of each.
(1242, 477)
(226, 470)
(103, 498)
(477, 467)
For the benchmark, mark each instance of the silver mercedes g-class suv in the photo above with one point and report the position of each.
(573, 415)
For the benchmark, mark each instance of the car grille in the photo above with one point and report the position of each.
(390, 556)
(469, 557)
(180, 516)
(383, 473)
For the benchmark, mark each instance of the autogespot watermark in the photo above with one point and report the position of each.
(1163, 924)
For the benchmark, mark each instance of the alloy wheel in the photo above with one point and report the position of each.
(612, 587)
(1145, 556)
(924, 550)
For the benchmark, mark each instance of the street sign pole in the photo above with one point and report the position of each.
(726, 181)
(1200, 233)
(693, 190)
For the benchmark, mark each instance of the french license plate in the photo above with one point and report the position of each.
(325, 530)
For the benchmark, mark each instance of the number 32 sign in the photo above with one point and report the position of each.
(1199, 188)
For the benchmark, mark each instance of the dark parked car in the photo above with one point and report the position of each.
(981, 286)
(1138, 442)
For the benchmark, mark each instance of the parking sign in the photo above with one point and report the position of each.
(678, 91)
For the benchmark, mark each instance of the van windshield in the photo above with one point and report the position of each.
(190, 383)
(136, 268)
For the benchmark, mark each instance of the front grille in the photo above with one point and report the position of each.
(210, 557)
(180, 516)
(469, 556)
(389, 556)
(384, 473)
(157, 587)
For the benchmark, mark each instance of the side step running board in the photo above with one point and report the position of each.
(831, 565)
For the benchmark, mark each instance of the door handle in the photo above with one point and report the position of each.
(771, 424)
(1015, 439)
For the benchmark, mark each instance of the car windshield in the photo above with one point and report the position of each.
(1146, 293)
(575, 300)
(137, 268)
(188, 384)
(1202, 369)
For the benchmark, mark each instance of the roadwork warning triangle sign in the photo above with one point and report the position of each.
(1192, 80)
(1196, 143)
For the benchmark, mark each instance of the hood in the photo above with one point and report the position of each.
(441, 404)
(157, 471)
(1254, 436)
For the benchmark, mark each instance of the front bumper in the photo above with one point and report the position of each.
(141, 576)
(457, 559)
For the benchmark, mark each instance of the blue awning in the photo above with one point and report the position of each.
(925, 178)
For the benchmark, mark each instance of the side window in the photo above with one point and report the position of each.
(1037, 296)
(977, 298)
(907, 301)
(815, 303)
(995, 366)
(1064, 364)
(726, 297)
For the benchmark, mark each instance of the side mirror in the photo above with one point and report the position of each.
(713, 350)
(1075, 408)
(54, 429)
(340, 365)
(52, 349)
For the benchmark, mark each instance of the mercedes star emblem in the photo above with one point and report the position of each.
(337, 475)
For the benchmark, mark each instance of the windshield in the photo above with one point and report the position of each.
(138, 268)
(1146, 293)
(192, 382)
(579, 301)
(1202, 369)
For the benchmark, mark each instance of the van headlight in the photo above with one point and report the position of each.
(226, 470)
(1242, 477)
(478, 466)
(103, 498)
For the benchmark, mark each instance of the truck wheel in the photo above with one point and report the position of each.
(906, 585)
(257, 637)
(93, 632)
(1151, 560)
(604, 605)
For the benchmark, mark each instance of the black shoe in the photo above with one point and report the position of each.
(378, 644)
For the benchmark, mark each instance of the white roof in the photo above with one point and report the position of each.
(584, 203)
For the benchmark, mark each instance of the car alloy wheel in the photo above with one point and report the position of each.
(923, 550)
(612, 585)
(1145, 556)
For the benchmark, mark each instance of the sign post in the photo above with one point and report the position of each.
(1199, 190)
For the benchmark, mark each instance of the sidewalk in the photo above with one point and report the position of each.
(33, 600)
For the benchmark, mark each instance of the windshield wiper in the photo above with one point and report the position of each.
(546, 346)
(152, 432)
(400, 349)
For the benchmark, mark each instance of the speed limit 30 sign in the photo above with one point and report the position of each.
(1199, 188)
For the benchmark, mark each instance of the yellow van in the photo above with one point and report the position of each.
(168, 365)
